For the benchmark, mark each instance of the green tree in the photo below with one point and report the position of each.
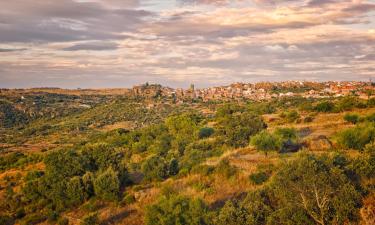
(63, 164)
(232, 214)
(205, 132)
(357, 137)
(155, 168)
(184, 129)
(286, 133)
(176, 209)
(237, 128)
(75, 191)
(265, 142)
(173, 167)
(317, 189)
(107, 185)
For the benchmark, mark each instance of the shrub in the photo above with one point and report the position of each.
(176, 209)
(6, 220)
(107, 185)
(308, 119)
(357, 137)
(258, 177)
(33, 175)
(371, 117)
(239, 127)
(364, 165)
(63, 221)
(173, 167)
(325, 107)
(351, 118)
(346, 103)
(224, 168)
(75, 191)
(232, 213)
(63, 164)
(90, 219)
(155, 168)
(265, 142)
(257, 205)
(286, 133)
(205, 132)
(128, 199)
(34, 218)
(292, 116)
(315, 189)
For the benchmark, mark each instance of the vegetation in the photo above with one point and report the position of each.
(120, 160)
(351, 118)
(266, 142)
(177, 209)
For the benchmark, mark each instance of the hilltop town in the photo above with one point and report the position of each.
(261, 91)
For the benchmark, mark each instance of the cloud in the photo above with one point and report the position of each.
(93, 46)
(319, 3)
(65, 20)
(12, 49)
(100, 43)
(207, 2)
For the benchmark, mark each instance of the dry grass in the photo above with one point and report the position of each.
(125, 125)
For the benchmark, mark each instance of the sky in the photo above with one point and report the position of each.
(120, 43)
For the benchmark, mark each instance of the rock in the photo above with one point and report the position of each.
(290, 146)
(320, 143)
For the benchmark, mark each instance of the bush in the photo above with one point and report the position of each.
(325, 107)
(357, 137)
(351, 118)
(31, 219)
(90, 219)
(258, 178)
(224, 168)
(292, 116)
(107, 185)
(128, 199)
(364, 165)
(315, 189)
(266, 142)
(63, 221)
(286, 133)
(75, 191)
(346, 103)
(308, 119)
(239, 127)
(205, 132)
(155, 168)
(371, 117)
(232, 213)
(6, 220)
(176, 209)
(173, 167)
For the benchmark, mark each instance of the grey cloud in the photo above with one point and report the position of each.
(360, 8)
(65, 20)
(12, 49)
(215, 2)
(93, 46)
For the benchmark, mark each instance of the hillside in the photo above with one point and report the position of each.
(96, 157)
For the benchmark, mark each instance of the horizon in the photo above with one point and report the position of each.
(96, 44)
(178, 87)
